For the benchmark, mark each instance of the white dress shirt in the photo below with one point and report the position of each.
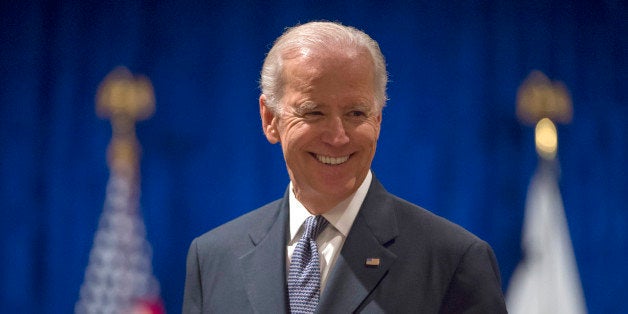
(331, 240)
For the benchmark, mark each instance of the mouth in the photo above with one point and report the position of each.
(332, 161)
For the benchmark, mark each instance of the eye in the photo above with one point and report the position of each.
(314, 113)
(357, 113)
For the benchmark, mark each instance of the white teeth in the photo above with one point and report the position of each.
(331, 160)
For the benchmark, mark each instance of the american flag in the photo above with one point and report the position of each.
(119, 277)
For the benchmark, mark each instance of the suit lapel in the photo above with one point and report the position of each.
(352, 280)
(263, 267)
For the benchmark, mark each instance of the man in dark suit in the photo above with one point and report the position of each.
(323, 91)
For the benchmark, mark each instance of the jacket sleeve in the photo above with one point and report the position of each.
(476, 284)
(192, 295)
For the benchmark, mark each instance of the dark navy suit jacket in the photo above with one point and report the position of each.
(427, 264)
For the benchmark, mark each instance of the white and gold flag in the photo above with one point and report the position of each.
(546, 281)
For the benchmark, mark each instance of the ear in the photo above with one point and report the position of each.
(269, 121)
(378, 122)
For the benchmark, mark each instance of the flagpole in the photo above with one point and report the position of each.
(124, 99)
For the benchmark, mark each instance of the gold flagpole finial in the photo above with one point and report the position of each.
(540, 102)
(124, 99)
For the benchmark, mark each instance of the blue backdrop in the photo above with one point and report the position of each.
(450, 139)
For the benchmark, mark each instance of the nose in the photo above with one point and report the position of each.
(335, 133)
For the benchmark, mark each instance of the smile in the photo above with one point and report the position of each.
(332, 160)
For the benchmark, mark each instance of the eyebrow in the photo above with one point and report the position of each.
(361, 106)
(306, 106)
(309, 105)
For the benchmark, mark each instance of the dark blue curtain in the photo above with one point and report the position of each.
(450, 139)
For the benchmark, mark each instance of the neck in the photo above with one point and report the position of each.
(317, 205)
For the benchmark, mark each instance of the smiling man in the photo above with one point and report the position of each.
(337, 242)
(327, 122)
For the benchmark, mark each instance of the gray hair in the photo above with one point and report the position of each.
(318, 36)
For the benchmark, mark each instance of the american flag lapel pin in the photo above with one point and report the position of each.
(372, 262)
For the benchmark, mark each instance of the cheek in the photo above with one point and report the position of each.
(370, 133)
(293, 136)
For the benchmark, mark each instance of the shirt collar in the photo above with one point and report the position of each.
(341, 216)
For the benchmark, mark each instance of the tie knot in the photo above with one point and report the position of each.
(314, 225)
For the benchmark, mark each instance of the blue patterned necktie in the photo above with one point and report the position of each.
(304, 278)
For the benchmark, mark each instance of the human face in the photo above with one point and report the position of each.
(328, 125)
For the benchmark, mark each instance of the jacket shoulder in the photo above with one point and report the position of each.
(236, 232)
(430, 223)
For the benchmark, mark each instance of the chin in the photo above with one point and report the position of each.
(339, 190)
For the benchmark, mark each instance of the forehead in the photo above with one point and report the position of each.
(329, 70)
